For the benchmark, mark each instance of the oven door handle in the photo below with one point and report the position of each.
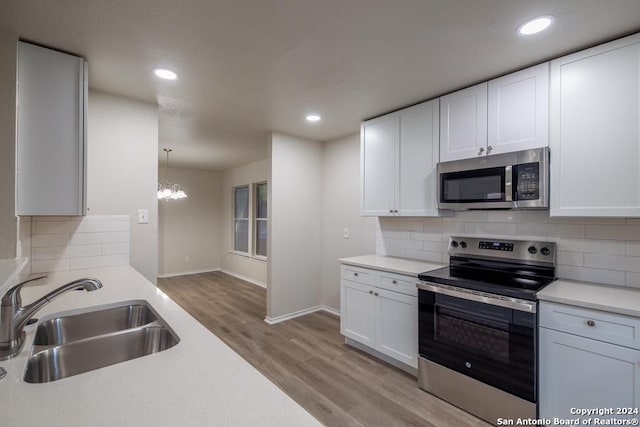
(483, 297)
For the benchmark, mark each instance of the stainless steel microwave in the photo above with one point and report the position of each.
(518, 180)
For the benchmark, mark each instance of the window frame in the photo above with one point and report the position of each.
(252, 221)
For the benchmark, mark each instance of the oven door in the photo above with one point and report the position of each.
(492, 343)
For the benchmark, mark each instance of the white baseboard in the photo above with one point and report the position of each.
(300, 313)
(246, 279)
(185, 273)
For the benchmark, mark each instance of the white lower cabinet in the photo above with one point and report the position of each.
(380, 310)
(580, 367)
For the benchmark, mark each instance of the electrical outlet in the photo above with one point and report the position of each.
(143, 216)
(345, 233)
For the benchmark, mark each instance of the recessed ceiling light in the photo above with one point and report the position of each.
(163, 73)
(313, 118)
(535, 25)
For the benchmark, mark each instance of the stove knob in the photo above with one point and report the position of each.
(545, 251)
(454, 243)
(463, 244)
(532, 250)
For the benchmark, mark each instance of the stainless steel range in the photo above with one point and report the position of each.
(477, 325)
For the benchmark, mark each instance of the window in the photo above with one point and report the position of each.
(250, 219)
(241, 219)
(261, 219)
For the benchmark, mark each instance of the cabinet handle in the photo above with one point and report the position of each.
(489, 148)
(376, 294)
(591, 323)
(390, 210)
(371, 292)
(481, 150)
(355, 274)
(395, 282)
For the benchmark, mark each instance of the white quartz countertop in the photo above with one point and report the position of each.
(198, 382)
(596, 296)
(396, 265)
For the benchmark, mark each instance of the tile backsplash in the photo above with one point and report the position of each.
(73, 243)
(604, 250)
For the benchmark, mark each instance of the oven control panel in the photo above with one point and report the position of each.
(525, 250)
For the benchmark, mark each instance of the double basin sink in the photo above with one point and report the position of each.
(71, 344)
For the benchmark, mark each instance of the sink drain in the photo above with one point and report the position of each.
(3, 373)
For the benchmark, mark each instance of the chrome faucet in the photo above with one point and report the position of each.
(13, 316)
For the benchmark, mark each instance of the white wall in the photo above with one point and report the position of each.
(8, 223)
(191, 227)
(295, 195)
(251, 269)
(341, 209)
(122, 170)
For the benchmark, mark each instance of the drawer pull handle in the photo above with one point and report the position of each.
(371, 292)
(591, 323)
(355, 274)
(376, 294)
(395, 282)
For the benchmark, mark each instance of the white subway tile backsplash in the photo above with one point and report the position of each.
(490, 228)
(604, 250)
(424, 255)
(115, 248)
(570, 258)
(518, 216)
(68, 243)
(610, 277)
(552, 230)
(42, 240)
(611, 247)
(50, 265)
(615, 232)
(98, 238)
(612, 262)
(434, 237)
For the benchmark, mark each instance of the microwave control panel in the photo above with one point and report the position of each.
(527, 181)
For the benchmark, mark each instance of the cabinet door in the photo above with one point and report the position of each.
(594, 133)
(578, 372)
(418, 152)
(397, 326)
(356, 312)
(518, 112)
(463, 123)
(51, 132)
(378, 146)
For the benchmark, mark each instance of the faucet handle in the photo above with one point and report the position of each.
(12, 296)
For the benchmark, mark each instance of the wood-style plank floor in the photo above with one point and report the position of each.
(307, 358)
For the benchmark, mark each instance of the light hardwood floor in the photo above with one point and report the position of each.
(307, 358)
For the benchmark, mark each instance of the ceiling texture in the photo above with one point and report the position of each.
(248, 67)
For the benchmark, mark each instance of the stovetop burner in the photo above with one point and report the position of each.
(512, 268)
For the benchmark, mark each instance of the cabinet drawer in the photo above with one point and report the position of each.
(598, 325)
(397, 283)
(357, 274)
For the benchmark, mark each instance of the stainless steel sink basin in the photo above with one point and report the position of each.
(60, 330)
(73, 344)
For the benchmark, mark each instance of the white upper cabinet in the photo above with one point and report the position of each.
(595, 132)
(463, 123)
(51, 132)
(399, 153)
(518, 112)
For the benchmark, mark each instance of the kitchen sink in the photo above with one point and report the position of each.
(63, 329)
(72, 344)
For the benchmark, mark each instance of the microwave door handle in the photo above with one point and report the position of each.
(508, 184)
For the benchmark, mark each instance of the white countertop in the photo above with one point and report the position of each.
(198, 382)
(596, 296)
(396, 265)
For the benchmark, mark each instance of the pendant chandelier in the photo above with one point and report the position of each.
(167, 191)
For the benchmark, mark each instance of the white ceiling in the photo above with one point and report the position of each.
(247, 67)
